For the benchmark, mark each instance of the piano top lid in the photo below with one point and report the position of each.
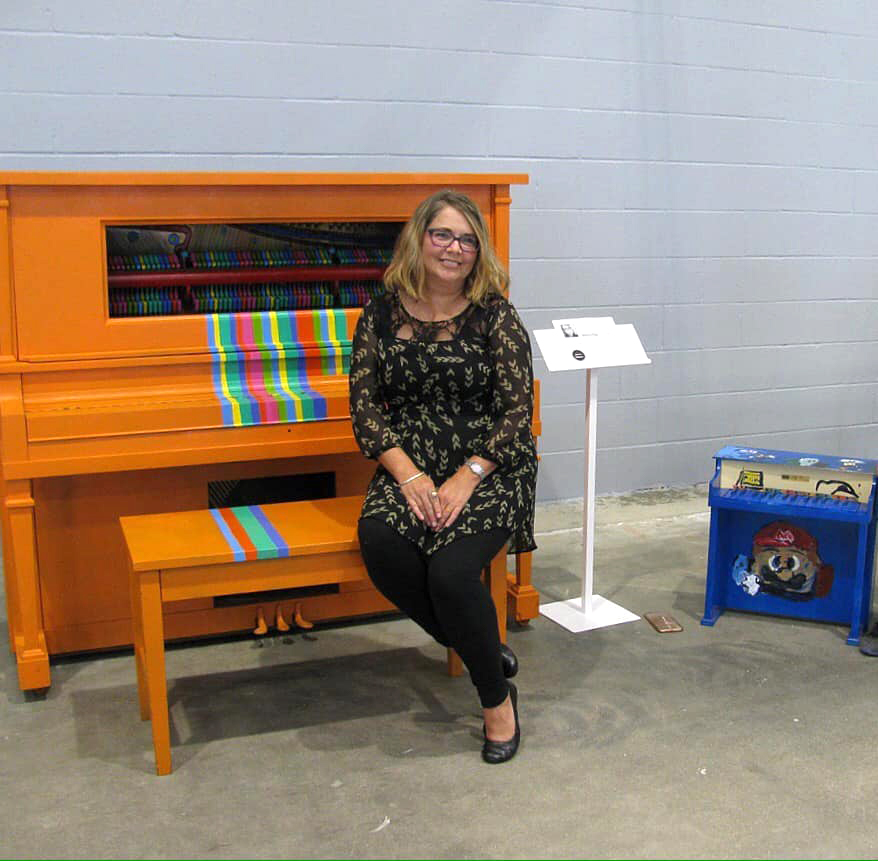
(798, 458)
(157, 178)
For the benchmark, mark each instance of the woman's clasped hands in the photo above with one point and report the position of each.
(439, 507)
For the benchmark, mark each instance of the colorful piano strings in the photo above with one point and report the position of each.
(266, 258)
(143, 262)
(265, 364)
(146, 301)
(235, 298)
(263, 258)
(363, 255)
(355, 294)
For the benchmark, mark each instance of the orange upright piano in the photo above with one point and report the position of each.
(174, 341)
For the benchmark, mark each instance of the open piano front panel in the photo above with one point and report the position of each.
(162, 333)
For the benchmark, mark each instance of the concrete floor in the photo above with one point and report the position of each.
(755, 738)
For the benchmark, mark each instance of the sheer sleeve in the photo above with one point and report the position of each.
(369, 417)
(510, 438)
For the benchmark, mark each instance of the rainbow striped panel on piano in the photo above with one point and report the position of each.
(266, 366)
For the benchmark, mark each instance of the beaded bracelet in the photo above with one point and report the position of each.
(416, 475)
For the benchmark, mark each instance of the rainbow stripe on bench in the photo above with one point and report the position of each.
(251, 535)
(265, 363)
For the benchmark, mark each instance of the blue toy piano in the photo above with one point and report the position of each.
(792, 534)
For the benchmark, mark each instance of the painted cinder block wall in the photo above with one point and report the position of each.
(703, 169)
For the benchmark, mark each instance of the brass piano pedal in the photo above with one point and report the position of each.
(261, 627)
(280, 622)
(300, 620)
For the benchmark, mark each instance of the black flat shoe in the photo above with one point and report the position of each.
(510, 662)
(495, 752)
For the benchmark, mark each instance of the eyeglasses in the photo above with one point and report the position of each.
(443, 238)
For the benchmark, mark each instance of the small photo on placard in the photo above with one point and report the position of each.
(582, 327)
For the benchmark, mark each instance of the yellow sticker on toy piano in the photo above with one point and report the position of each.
(751, 478)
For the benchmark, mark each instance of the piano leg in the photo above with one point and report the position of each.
(862, 587)
(523, 599)
(713, 603)
(26, 618)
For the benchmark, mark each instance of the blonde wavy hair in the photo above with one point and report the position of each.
(406, 269)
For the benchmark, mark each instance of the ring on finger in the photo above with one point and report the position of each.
(434, 493)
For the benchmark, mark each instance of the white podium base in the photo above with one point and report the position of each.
(569, 614)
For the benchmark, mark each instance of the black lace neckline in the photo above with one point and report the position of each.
(428, 330)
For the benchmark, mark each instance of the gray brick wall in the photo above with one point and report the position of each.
(705, 170)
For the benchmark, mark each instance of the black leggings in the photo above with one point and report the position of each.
(445, 595)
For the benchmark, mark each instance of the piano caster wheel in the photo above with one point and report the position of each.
(300, 620)
(279, 621)
(261, 627)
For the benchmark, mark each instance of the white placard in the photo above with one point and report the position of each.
(605, 347)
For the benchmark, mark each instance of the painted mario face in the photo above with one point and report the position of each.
(785, 557)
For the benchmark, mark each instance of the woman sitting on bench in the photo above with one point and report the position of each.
(442, 396)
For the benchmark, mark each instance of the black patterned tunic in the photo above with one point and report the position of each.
(456, 388)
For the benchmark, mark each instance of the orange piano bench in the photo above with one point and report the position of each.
(198, 554)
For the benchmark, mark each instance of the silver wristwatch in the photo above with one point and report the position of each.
(476, 467)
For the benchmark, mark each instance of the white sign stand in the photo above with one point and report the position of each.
(589, 343)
